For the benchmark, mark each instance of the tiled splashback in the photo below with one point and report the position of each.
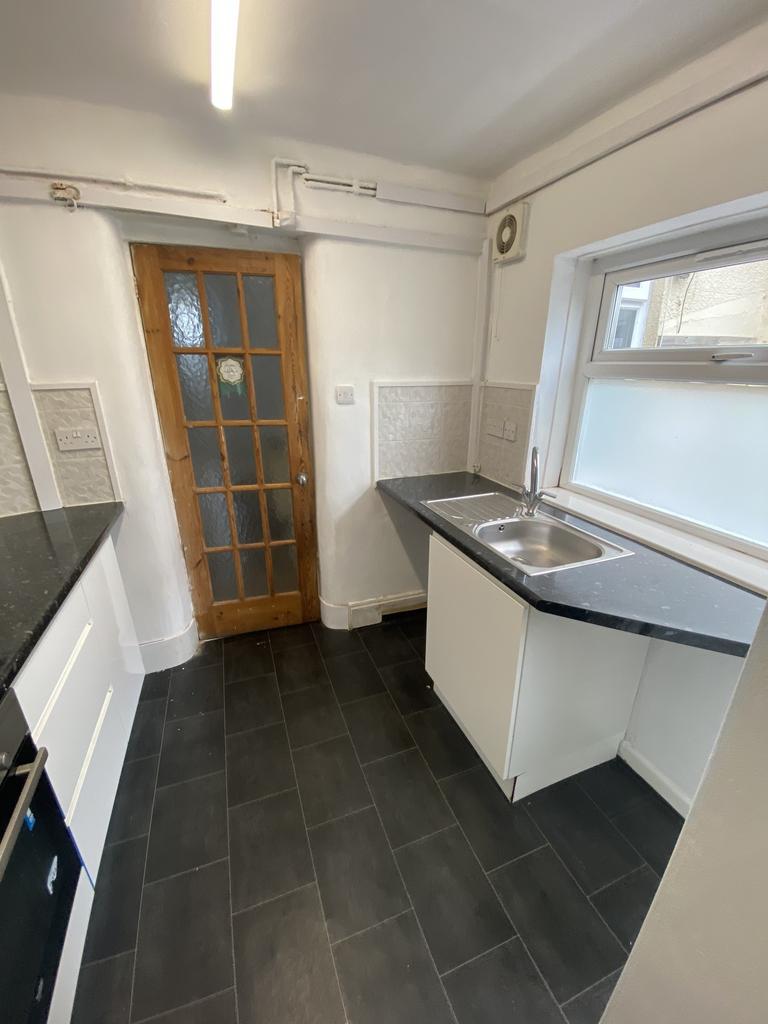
(17, 493)
(421, 428)
(81, 476)
(505, 423)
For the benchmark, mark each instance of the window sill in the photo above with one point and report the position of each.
(746, 570)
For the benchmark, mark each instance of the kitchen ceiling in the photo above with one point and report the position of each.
(469, 86)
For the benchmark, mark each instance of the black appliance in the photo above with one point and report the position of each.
(39, 871)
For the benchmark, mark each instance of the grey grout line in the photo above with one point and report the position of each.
(229, 869)
(421, 839)
(186, 1006)
(589, 988)
(479, 956)
(105, 959)
(615, 827)
(386, 757)
(198, 714)
(339, 817)
(316, 743)
(253, 728)
(306, 836)
(128, 839)
(146, 861)
(259, 799)
(272, 899)
(186, 871)
(194, 778)
(514, 860)
(627, 874)
(370, 927)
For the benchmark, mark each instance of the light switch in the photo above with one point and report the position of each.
(345, 395)
(510, 430)
(74, 439)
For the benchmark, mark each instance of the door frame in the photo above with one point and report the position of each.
(149, 263)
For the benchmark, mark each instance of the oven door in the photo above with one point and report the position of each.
(39, 871)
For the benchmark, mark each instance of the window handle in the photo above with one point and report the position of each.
(724, 357)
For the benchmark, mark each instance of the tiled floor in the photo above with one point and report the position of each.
(302, 835)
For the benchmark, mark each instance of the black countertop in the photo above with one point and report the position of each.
(42, 556)
(648, 593)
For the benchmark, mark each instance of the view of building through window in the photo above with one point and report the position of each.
(701, 308)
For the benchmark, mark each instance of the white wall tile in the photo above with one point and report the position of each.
(17, 492)
(82, 476)
(423, 428)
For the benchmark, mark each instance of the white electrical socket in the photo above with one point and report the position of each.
(495, 428)
(345, 395)
(510, 430)
(77, 439)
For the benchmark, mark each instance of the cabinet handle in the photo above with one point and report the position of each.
(33, 772)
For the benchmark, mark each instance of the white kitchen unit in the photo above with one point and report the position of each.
(539, 696)
(79, 690)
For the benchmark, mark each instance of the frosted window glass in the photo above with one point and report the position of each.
(699, 451)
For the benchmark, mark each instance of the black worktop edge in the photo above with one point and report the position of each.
(513, 580)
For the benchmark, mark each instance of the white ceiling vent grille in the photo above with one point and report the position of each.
(510, 234)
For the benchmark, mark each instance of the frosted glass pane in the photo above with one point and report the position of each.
(268, 385)
(206, 461)
(213, 513)
(233, 393)
(260, 308)
(195, 387)
(700, 308)
(248, 516)
(221, 567)
(274, 454)
(280, 509)
(699, 451)
(254, 572)
(184, 310)
(242, 464)
(223, 310)
(285, 575)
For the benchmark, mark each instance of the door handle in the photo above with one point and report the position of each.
(33, 772)
(302, 479)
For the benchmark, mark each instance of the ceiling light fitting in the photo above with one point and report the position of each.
(224, 15)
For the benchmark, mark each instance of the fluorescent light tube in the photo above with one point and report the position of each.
(224, 15)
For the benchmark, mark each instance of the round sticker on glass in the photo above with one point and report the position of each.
(230, 370)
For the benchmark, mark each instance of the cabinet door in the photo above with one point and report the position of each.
(475, 638)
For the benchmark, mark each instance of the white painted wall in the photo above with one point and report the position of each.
(681, 702)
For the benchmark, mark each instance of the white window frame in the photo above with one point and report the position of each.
(694, 365)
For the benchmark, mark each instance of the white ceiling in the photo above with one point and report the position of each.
(463, 85)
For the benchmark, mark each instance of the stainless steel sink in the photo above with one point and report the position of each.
(535, 544)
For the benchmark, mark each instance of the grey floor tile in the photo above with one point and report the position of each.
(246, 657)
(269, 849)
(591, 848)
(588, 1007)
(156, 685)
(189, 826)
(376, 728)
(208, 653)
(419, 645)
(290, 636)
(409, 686)
(386, 644)
(336, 641)
(192, 747)
(571, 946)
(358, 878)
(252, 703)
(412, 623)
(299, 668)
(147, 729)
(502, 985)
(408, 798)
(104, 992)
(624, 904)
(497, 830)
(312, 716)
(276, 944)
(258, 764)
(184, 951)
(456, 906)
(330, 780)
(444, 746)
(132, 809)
(652, 827)
(388, 977)
(115, 912)
(613, 786)
(196, 691)
(353, 676)
(218, 1009)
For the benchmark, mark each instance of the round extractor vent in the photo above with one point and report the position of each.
(506, 233)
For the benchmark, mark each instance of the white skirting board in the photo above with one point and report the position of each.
(171, 650)
(368, 613)
(663, 785)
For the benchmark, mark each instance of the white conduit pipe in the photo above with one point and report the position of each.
(124, 183)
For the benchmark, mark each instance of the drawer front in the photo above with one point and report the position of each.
(475, 637)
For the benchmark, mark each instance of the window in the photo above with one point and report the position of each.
(671, 416)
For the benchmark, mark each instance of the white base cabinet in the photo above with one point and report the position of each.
(540, 697)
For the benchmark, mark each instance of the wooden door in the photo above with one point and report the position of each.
(225, 338)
